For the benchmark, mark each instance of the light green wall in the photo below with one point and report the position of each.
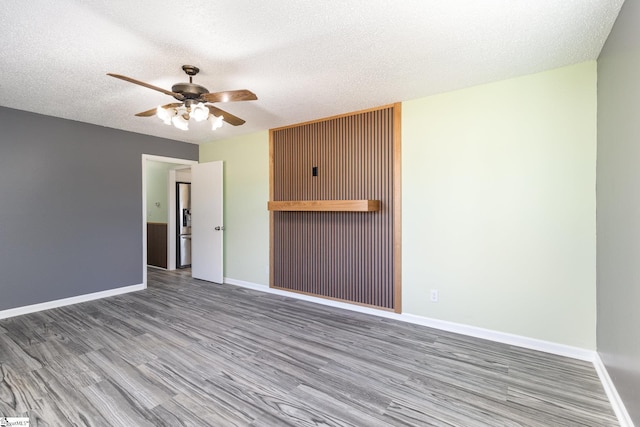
(498, 205)
(498, 208)
(156, 180)
(246, 192)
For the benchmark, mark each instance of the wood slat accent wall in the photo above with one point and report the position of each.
(350, 256)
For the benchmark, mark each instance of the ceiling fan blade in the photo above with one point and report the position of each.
(152, 112)
(147, 85)
(230, 96)
(227, 117)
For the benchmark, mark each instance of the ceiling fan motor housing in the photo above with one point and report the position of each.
(189, 90)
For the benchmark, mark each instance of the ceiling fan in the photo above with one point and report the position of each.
(193, 102)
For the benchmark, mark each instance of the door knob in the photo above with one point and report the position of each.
(218, 228)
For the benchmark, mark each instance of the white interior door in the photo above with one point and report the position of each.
(206, 222)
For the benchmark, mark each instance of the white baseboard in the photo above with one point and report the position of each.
(616, 402)
(503, 337)
(12, 312)
(488, 334)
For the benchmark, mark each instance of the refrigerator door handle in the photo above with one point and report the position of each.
(185, 214)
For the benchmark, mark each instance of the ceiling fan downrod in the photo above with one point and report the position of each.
(191, 71)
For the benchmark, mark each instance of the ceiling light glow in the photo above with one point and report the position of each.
(181, 119)
(216, 121)
(199, 112)
(181, 115)
(165, 114)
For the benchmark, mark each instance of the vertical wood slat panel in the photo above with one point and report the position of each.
(340, 255)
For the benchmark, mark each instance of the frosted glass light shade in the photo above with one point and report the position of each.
(216, 122)
(199, 112)
(180, 122)
(180, 116)
(165, 114)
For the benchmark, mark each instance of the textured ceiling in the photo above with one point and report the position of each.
(304, 59)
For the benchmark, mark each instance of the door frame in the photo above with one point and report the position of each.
(162, 159)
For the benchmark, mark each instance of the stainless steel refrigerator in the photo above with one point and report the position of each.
(183, 228)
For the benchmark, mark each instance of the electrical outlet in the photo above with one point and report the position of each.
(434, 295)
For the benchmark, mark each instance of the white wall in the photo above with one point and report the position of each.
(499, 205)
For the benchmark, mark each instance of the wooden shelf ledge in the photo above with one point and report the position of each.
(325, 205)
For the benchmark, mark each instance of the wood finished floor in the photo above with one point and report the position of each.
(187, 352)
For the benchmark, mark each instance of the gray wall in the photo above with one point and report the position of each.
(70, 206)
(618, 207)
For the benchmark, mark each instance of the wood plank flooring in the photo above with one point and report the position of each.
(193, 353)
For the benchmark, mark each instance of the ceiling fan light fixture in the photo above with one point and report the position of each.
(216, 122)
(192, 102)
(199, 112)
(165, 114)
(181, 119)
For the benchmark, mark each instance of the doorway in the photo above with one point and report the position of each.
(207, 204)
(173, 163)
